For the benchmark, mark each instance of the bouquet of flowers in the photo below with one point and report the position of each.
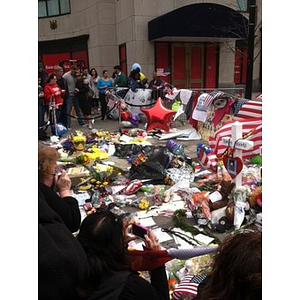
(79, 140)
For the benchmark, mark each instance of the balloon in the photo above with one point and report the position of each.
(135, 66)
(174, 147)
(125, 115)
(126, 124)
(60, 129)
(134, 120)
(158, 116)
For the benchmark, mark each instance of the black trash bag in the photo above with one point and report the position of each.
(153, 168)
(126, 150)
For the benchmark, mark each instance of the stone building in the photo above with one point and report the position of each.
(202, 44)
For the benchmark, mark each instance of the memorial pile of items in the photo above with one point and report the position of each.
(218, 192)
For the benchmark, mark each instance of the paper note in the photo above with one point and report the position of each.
(203, 238)
(147, 222)
(215, 196)
(161, 235)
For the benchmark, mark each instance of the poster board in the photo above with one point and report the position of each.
(207, 128)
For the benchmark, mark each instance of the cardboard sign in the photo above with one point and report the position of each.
(207, 128)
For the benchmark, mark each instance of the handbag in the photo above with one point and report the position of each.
(90, 93)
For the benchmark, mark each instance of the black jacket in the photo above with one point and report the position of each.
(83, 89)
(67, 207)
(130, 286)
(62, 262)
(64, 86)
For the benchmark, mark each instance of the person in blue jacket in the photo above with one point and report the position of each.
(103, 84)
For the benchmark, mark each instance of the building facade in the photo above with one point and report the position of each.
(201, 44)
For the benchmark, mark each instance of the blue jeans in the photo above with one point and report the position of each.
(73, 100)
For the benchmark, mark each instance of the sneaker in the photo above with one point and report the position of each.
(84, 125)
(90, 126)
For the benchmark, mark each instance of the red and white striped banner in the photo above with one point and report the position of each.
(225, 131)
(253, 126)
(251, 109)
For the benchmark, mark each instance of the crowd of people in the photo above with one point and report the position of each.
(59, 92)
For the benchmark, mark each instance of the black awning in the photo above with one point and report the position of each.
(71, 44)
(202, 20)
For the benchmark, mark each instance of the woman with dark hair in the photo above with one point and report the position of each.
(95, 97)
(103, 83)
(134, 80)
(104, 239)
(85, 103)
(237, 270)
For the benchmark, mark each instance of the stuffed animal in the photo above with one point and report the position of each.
(224, 189)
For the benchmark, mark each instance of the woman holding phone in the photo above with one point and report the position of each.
(103, 236)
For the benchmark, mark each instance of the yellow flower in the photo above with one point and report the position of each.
(95, 153)
(85, 187)
(79, 138)
(144, 204)
(86, 159)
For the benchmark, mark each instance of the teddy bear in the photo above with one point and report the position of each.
(224, 189)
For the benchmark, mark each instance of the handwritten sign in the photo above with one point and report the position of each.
(243, 144)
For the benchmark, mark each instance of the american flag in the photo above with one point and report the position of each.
(237, 105)
(211, 97)
(208, 161)
(188, 285)
(250, 109)
(162, 72)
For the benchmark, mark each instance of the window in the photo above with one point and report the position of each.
(50, 8)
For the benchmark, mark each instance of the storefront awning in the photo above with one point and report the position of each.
(199, 22)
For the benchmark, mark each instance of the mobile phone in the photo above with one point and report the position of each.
(139, 230)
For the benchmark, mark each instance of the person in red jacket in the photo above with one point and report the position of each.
(53, 97)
